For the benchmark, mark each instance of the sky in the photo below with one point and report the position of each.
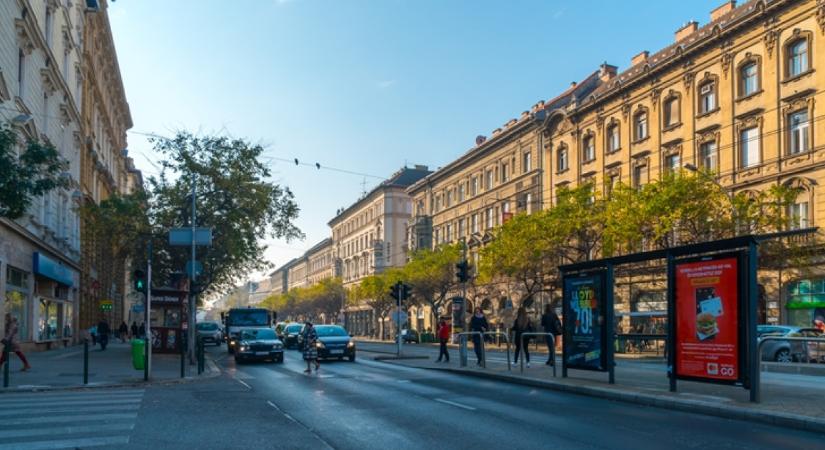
(364, 86)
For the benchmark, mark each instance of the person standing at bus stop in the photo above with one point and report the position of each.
(522, 325)
(478, 324)
(443, 337)
(551, 324)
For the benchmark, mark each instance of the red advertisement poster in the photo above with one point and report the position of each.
(707, 319)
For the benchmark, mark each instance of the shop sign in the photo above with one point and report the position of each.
(708, 319)
(49, 268)
(106, 305)
(584, 308)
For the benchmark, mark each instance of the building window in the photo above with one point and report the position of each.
(613, 138)
(708, 155)
(749, 147)
(707, 97)
(489, 218)
(461, 192)
(672, 163)
(449, 236)
(671, 111)
(49, 26)
(561, 156)
(749, 79)
(474, 223)
(799, 132)
(437, 203)
(505, 173)
(461, 228)
(526, 162)
(640, 126)
(21, 69)
(797, 58)
(528, 200)
(17, 294)
(638, 175)
(449, 198)
(488, 180)
(474, 186)
(798, 215)
(588, 149)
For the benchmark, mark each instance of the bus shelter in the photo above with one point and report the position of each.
(168, 318)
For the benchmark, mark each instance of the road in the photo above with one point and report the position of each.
(361, 405)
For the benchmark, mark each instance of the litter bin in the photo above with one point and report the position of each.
(138, 353)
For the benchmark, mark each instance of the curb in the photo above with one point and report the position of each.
(796, 421)
(210, 372)
(396, 358)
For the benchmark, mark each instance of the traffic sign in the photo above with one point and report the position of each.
(399, 317)
(137, 308)
(183, 236)
(106, 305)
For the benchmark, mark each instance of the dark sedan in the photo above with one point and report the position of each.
(291, 333)
(259, 344)
(334, 342)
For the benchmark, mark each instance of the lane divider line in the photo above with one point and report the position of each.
(242, 382)
(457, 405)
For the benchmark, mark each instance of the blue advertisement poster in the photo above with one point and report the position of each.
(584, 331)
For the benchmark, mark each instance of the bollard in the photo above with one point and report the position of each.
(6, 364)
(146, 360)
(85, 361)
(182, 358)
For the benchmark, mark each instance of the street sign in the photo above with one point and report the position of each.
(399, 317)
(137, 308)
(106, 305)
(198, 268)
(183, 236)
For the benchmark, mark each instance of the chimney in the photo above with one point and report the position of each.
(640, 58)
(480, 140)
(607, 72)
(722, 10)
(686, 30)
(573, 84)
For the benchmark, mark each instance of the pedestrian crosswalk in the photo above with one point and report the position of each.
(68, 419)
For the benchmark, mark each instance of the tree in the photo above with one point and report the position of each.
(375, 290)
(431, 274)
(24, 177)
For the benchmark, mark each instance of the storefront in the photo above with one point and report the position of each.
(53, 302)
(168, 318)
(805, 303)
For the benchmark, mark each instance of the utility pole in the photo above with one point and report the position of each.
(464, 294)
(148, 322)
(194, 275)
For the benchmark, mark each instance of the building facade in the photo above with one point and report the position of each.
(320, 264)
(740, 97)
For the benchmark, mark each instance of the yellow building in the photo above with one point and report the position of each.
(740, 96)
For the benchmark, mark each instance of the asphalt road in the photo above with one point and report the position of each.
(361, 405)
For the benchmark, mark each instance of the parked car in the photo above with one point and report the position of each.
(209, 332)
(790, 351)
(410, 337)
(279, 330)
(259, 344)
(292, 333)
(334, 342)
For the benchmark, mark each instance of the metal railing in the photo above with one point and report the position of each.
(552, 355)
(484, 346)
(462, 349)
(756, 386)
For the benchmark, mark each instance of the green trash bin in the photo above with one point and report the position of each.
(138, 356)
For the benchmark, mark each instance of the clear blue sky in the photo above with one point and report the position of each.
(364, 85)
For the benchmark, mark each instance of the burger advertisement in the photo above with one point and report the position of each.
(707, 319)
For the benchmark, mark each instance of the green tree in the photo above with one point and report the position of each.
(374, 290)
(35, 171)
(432, 275)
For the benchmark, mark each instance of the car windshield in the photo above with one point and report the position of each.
(207, 326)
(293, 328)
(330, 331)
(252, 317)
(258, 334)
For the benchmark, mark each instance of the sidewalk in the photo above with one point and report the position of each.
(63, 369)
(787, 399)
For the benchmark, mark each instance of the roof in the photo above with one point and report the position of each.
(403, 178)
(327, 242)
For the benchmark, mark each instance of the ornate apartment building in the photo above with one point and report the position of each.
(739, 96)
(320, 263)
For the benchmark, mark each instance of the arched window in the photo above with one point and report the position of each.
(797, 52)
(640, 128)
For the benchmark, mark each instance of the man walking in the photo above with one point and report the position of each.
(478, 324)
(443, 337)
(123, 331)
(10, 342)
(103, 331)
(551, 324)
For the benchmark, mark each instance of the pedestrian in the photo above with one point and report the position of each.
(93, 334)
(123, 331)
(134, 330)
(443, 337)
(142, 330)
(478, 324)
(310, 349)
(10, 343)
(522, 325)
(103, 331)
(551, 324)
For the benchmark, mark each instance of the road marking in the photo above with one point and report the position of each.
(242, 382)
(403, 381)
(74, 409)
(290, 418)
(61, 419)
(50, 431)
(66, 443)
(44, 403)
(457, 405)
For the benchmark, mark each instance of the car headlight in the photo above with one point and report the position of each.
(351, 344)
(319, 344)
(243, 348)
(277, 346)
(233, 342)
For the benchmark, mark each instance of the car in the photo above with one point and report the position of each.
(279, 329)
(259, 344)
(410, 337)
(790, 351)
(209, 332)
(334, 342)
(292, 333)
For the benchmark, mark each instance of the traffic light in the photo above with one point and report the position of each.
(405, 291)
(462, 271)
(140, 280)
(395, 291)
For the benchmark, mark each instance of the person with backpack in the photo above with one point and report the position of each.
(551, 324)
(522, 325)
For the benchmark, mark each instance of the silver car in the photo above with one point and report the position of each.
(210, 332)
(790, 351)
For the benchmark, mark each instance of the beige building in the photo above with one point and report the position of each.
(320, 264)
(297, 274)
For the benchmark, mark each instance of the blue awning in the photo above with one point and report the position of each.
(49, 268)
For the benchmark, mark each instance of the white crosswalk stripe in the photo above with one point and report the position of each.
(57, 420)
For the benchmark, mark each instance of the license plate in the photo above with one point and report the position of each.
(336, 352)
(261, 353)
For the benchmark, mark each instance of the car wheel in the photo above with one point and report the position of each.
(281, 358)
(340, 358)
(783, 356)
(352, 357)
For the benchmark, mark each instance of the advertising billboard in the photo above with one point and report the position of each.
(709, 319)
(585, 333)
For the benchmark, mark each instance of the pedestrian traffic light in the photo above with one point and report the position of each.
(462, 271)
(140, 280)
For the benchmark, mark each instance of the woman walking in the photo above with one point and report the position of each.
(478, 324)
(310, 351)
(10, 341)
(522, 325)
(443, 337)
